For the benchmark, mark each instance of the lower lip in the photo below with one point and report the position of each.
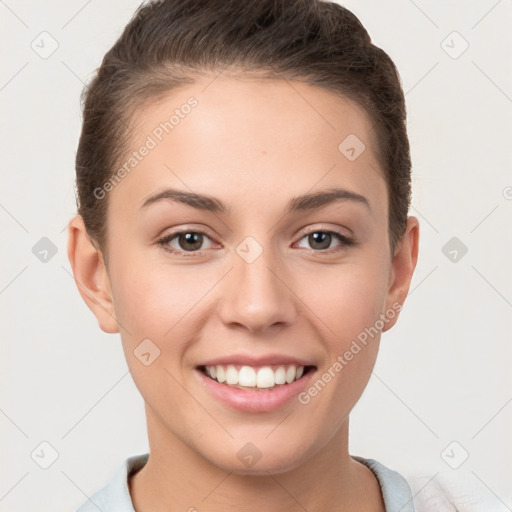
(255, 401)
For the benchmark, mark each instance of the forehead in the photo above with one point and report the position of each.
(260, 138)
(293, 110)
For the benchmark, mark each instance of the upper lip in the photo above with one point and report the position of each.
(271, 359)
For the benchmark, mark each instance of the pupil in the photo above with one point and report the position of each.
(192, 238)
(321, 235)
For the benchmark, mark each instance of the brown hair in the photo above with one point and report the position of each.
(169, 43)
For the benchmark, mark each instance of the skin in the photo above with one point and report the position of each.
(254, 144)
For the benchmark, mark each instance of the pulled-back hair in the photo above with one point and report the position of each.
(170, 43)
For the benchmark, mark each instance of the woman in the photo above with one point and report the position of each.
(243, 179)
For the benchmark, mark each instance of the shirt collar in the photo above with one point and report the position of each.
(115, 495)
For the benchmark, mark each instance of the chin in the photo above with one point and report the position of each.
(250, 460)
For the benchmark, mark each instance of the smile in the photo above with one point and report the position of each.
(266, 377)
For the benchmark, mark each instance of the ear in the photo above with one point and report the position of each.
(402, 268)
(91, 275)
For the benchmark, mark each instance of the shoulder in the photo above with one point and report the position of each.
(434, 490)
(114, 496)
(395, 489)
(443, 491)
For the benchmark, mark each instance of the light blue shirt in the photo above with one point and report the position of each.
(115, 495)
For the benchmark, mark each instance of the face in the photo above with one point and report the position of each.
(254, 274)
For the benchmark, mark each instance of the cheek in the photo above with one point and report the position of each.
(150, 299)
(151, 303)
(346, 301)
(347, 305)
(346, 310)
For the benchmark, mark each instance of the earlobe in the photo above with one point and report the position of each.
(403, 265)
(91, 277)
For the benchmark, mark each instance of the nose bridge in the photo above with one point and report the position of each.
(256, 295)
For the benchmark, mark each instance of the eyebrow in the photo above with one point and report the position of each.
(297, 204)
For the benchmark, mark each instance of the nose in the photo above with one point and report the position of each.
(256, 294)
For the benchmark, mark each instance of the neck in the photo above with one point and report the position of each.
(178, 478)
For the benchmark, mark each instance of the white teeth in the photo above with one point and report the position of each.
(265, 378)
(217, 372)
(247, 376)
(231, 375)
(290, 374)
(280, 375)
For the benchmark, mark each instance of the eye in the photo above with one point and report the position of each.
(321, 240)
(188, 241)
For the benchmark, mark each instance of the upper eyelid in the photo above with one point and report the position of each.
(307, 229)
(302, 232)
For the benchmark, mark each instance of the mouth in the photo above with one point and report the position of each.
(256, 378)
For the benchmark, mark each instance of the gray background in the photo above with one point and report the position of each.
(441, 387)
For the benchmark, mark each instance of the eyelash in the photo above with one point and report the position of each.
(163, 242)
